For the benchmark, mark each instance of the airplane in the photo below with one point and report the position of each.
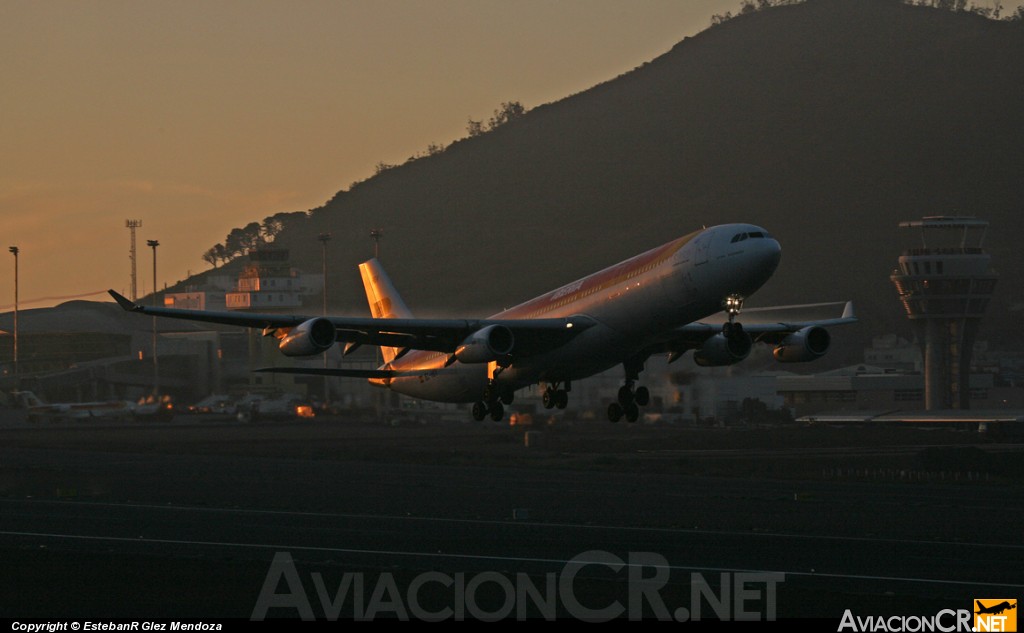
(995, 609)
(683, 295)
(66, 411)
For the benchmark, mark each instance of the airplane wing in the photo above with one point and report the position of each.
(438, 335)
(775, 321)
(767, 325)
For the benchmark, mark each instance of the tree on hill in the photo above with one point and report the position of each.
(240, 241)
(253, 235)
(508, 111)
(215, 254)
(474, 127)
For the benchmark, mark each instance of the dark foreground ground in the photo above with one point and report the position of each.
(343, 518)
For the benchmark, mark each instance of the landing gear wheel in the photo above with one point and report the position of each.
(632, 412)
(479, 411)
(614, 412)
(548, 399)
(732, 330)
(642, 396)
(497, 412)
(630, 397)
(561, 399)
(553, 398)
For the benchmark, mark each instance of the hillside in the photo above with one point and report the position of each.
(827, 122)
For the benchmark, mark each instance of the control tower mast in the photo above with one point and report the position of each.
(945, 286)
(131, 225)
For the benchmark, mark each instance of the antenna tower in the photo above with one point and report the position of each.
(132, 225)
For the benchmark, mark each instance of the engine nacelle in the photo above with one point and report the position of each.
(314, 336)
(803, 345)
(719, 350)
(486, 345)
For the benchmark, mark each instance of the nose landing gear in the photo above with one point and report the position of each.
(733, 304)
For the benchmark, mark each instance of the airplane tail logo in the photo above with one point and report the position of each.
(384, 300)
(995, 614)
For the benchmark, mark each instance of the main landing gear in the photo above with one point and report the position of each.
(495, 399)
(554, 397)
(494, 409)
(493, 404)
(630, 397)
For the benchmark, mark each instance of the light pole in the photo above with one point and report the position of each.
(156, 365)
(14, 251)
(324, 238)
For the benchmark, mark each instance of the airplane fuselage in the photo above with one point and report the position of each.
(634, 304)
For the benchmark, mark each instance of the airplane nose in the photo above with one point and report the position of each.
(771, 253)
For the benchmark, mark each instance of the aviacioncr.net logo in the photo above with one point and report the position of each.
(995, 614)
(493, 595)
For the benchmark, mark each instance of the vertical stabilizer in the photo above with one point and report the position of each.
(383, 299)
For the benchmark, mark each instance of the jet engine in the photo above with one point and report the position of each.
(314, 336)
(803, 345)
(720, 350)
(486, 345)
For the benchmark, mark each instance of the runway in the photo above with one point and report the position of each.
(168, 531)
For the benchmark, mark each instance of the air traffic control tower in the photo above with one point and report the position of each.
(945, 286)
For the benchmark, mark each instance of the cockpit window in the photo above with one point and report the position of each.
(739, 237)
(756, 234)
